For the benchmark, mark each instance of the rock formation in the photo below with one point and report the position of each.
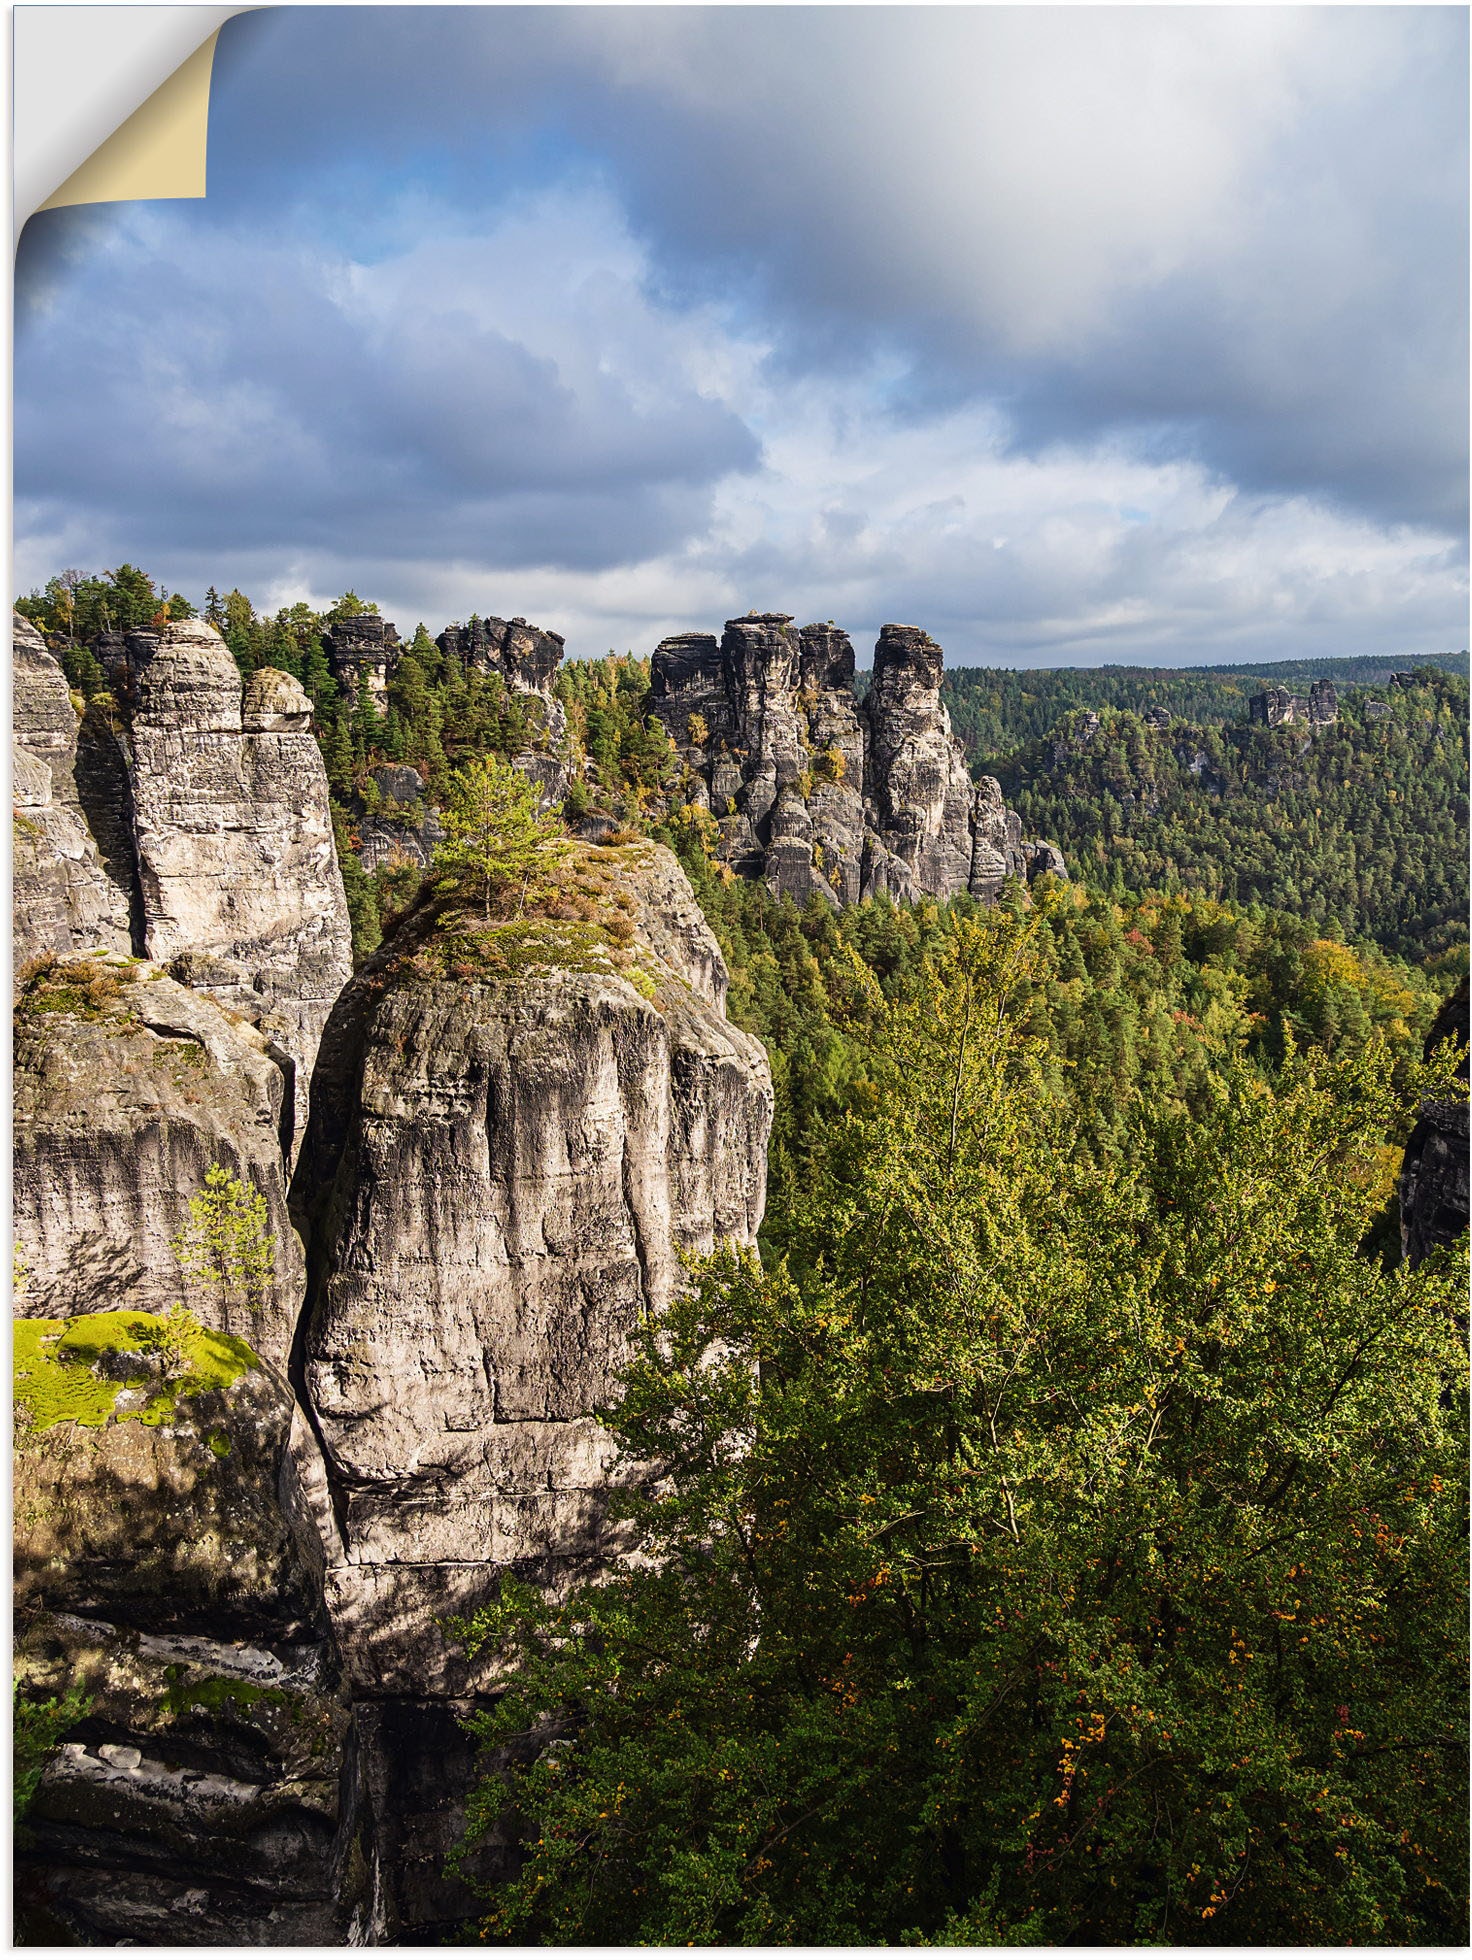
(73, 868)
(363, 648)
(189, 821)
(234, 835)
(1276, 707)
(820, 794)
(165, 1560)
(526, 657)
(127, 1087)
(500, 1175)
(1434, 1174)
(246, 1556)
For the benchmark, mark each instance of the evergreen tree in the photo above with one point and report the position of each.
(496, 838)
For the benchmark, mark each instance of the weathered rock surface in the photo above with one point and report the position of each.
(209, 1796)
(819, 794)
(501, 1174)
(121, 1104)
(189, 820)
(1434, 1174)
(71, 889)
(1278, 707)
(166, 1558)
(234, 836)
(508, 1172)
(362, 648)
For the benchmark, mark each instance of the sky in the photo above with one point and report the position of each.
(1074, 335)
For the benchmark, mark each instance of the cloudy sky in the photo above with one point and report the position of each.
(1074, 335)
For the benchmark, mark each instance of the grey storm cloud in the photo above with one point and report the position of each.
(1248, 224)
(1069, 332)
(243, 393)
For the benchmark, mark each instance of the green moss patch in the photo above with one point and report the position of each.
(219, 1695)
(509, 949)
(62, 1371)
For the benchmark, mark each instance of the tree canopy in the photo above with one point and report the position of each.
(1046, 1549)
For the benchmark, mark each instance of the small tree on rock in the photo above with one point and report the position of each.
(496, 835)
(226, 1245)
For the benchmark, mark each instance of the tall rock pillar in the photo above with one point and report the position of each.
(240, 882)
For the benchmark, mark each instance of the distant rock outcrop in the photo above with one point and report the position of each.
(1276, 707)
(820, 794)
(363, 648)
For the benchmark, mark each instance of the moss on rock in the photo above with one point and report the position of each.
(91, 1368)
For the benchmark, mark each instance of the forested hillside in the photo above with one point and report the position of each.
(996, 710)
(1059, 1535)
(1359, 827)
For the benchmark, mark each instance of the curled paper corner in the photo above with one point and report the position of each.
(160, 151)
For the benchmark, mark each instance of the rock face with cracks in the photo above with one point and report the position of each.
(822, 795)
(234, 836)
(243, 1553)
(506, 1171)
(73, 865)
(167, 1565)
(127, 1087)
(189, 821)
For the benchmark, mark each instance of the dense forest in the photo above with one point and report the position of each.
(1060, 1537)
(1078, 1564)
(997, 710)
(1359, 827)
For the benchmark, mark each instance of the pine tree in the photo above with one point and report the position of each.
(496, 836)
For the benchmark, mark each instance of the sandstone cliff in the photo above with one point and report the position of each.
(188, 821)
(127, 1087)
(73, 865)
(502, 1169)
(820, 794)
(246, 1553)
(165, 1560)
(234, 835)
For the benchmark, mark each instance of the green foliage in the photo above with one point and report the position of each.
(68, 1370)
(349, 606)
(996, 711)
(226, 1246)
(361, 891)
(1139, 1000)
(1048, 1550)
(496, 837)
(630, 758)
(39, 1729)
(1360, 827)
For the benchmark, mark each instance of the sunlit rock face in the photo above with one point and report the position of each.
(185, 818)
(819, 794)
(238, 874)
(127, 1088)
(165, 1556)
(503, 1174)
(72, 865)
